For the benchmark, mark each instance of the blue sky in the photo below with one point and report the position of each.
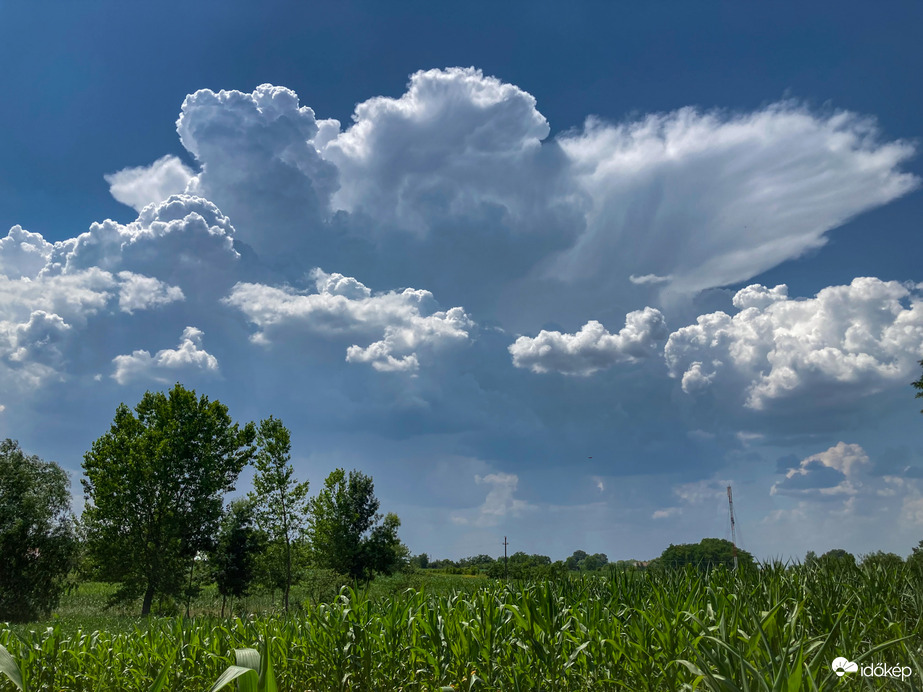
(560, 274)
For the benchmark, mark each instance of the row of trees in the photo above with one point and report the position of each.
(518, 563)
(155, 492)
(155, 486)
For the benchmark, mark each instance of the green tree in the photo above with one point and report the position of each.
(915, 559)
(575, 561)
(888, 561)
(154, 489)
(595, 562)
(919, 385)
(707, 553)
(521, 565)
(345, 531)
(279, 501)
(420, 561)
(237, 545)
(837, 556)
(38, 545)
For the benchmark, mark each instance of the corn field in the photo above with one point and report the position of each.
(775, 629)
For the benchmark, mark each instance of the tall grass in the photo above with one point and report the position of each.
(777, 629)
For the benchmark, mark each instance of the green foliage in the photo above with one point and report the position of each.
(521, 565)
(347, 534)
(919, 385)
(420, 561)
(706, 554)
(582, 562)
(154, 488)
(252, 672)
(888, 561)
(837, 556)
(10, 669)
(38, 545)
(280, 503)
(237, 545)
(916, 557)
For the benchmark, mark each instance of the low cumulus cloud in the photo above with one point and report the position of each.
(499, 505)
(40, 319)
(184, 240)
(841, 483)
(343, 307)
(846, 343)
(139, 292)
(699, 496)
(835, 471)
(167, 365)
(51, 292)
(592, 348)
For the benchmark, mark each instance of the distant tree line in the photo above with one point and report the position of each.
(521, 565)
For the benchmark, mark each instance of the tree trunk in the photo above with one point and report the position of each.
(224, 600)
(148, 600)
(189, 589)
(288, 570)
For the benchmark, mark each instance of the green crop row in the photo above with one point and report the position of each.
(776, 629)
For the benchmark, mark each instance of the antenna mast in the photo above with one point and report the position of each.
(733, 529)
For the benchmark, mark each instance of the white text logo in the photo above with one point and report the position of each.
(841, 666)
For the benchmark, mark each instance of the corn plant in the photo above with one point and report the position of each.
(776, 629)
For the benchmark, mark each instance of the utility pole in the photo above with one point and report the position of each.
(733, 529)
(505, 562)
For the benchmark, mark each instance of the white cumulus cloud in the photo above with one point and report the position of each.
(499, 504)
(165, 366)
(139, 292)
(592, 348)
(185, 241)
(342, 306)
(137, 187)
(848, 341)
(459, 172)
(832, 472)
(454, 141)
(23, 254)
(259, 162)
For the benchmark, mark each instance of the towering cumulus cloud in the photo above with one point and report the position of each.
(458, 176)
(456, 143)
(259, 162)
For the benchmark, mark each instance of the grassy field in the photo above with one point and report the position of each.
(775, 630)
